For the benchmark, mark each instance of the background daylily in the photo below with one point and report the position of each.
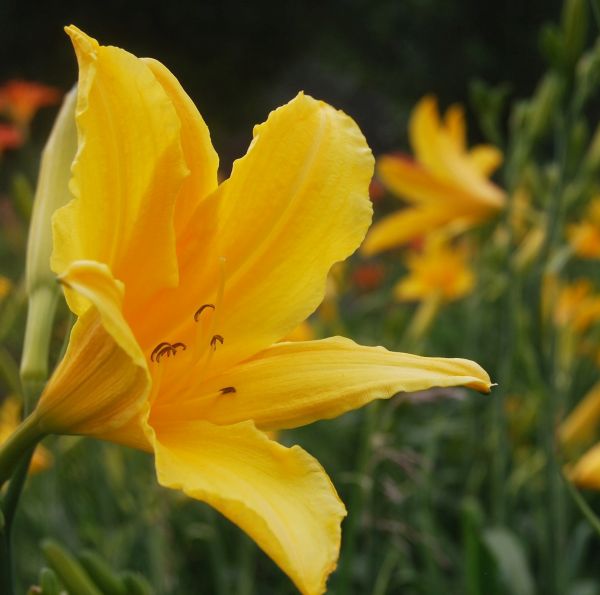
(20, 100)
(584, 236)
(446, 183)
(183, 287)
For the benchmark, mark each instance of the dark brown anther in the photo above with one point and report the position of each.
(200, 309)
(226, 390)
(166, 350)
(157, 350)
(213, 341)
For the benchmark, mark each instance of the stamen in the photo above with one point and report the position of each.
(227, 390)
(213, 341)
(165, 349)
(208, 325)
(200, 309)
(157, 349)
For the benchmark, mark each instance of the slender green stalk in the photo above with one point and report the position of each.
(583, 506)
(34, 365)
(357, 500)
(247, 563)
(26, 436)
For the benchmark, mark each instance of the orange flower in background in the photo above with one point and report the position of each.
(368, 277)
(584, 236)
(10, 137)
(441, 271)
(446, 183)
(21, 100)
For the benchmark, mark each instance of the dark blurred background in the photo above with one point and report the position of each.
(239, 59)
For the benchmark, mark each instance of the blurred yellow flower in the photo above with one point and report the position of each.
(183, 288)
(303, 332)
(10, 416)
(586, 471)
(584, 236)
(582, 423)
(447, 183)
(5, 286)
(577, 306)
(440, 270)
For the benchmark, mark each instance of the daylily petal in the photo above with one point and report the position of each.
(438, 152)
(201, 157)
(103, 381)
(398, 228)
(294, 205)
(280, 496)
(293, 384)
(586, 472)
(455, 126)
(583, 421)
(410, 180)
(486, 159)
(127, 173)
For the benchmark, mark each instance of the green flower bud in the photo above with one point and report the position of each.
(52, 192)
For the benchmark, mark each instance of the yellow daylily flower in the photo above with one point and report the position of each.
(10, 416)
(584, 237)
(447, 183)
(440, 270)
(183, 288)
(586, 471)
(581, 424)
(577, 306)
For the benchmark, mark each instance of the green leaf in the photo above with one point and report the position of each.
(509, 555)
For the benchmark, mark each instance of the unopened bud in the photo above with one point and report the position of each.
(545, 102)
(51, 193)
(574, 28)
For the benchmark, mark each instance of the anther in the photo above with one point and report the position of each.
(213, 341)
(166, 349)
(157, 350)
(226, 390)
(200, 309)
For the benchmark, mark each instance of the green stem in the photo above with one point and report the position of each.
(9, 508)
(40, 318)
(583, 506)
(357, 500)
(25, 437)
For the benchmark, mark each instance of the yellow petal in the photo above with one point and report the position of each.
(201, 158)
(399, 228)
(437, 151)
(583, 421)
(485, 158)
(293, 384)
(424, 133)
(455, 126)
(280, 496)
(413, 182)
(294, 205)
(586, 472)
(102, 382)
(126, 175)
